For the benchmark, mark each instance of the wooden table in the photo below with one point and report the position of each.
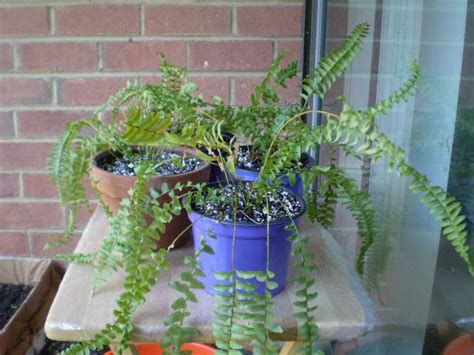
(345, 311)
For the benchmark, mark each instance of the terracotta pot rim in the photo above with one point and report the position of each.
(179, 149)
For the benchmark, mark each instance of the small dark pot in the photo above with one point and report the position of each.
(114, 188)
(297, 188)
(250, 253)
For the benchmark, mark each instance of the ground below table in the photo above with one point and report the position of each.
(345, 311)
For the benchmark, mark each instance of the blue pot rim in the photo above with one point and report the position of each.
(250, 224)
(311, 163)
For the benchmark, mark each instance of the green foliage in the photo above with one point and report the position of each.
(408, 89)
(305, 294)
(242, 315)
(378, 145)
(69, 164)
(334, 64)
(176, 333)
(170, 114)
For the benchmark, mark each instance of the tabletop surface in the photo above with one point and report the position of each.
(345, 311)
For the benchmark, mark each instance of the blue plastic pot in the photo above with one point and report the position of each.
(252, 175)
(297, 187)
(250, 253)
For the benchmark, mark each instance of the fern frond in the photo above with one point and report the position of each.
(408, 89)
(266, 91)
(146, 131)
(358, 202)
(445, 207)
(176, 333)
(329, 68)
(141, 272)
(305, 294)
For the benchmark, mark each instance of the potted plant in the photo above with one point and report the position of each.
(108, 157)
(27, 287)
(168, 116)
(242, 225)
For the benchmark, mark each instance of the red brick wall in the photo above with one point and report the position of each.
(57, 62)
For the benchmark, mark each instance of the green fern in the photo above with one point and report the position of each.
(378, 145)
(176, 333)
(334, 64)
(407, 89)
(307, 328)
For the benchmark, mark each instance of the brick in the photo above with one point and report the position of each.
(14, 244)
(46, 123)
(84, 215)
(58, 56)
(230, 55)
(270, 20)
(9, 185)
(136, 56)
(245, 86)
(97, 20)
(6, 57)
(24, 155)
(91, 91)
(190, 20)
(212, 86)
(23, 20)
(293, 50)
(24, 91)
(30, 215)
(38, 185)
(6, 124)
(39, 240)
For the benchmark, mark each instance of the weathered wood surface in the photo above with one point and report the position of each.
(345, 311)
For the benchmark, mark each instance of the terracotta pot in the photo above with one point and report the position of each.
(114, 188)
(464, 345)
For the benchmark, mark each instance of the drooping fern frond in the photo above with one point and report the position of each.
(333, 65)
(406, 90)
(244, 315)
(68, 166)
(305, 294)
(176, 333)
(444, 207)
(142, 263)
(358, 202)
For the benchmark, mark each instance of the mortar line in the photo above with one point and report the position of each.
(234, 20)
(37, 230)
(142, 19)
(145, 38)
(16, 57)
(232, 91)
(15, 123)
(40, 3)
(100, 56)
(29, 242)
(54, 91)
(52, 20)
(20, 185)
(122, 74)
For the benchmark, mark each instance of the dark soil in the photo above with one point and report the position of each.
(247, 160)
(220, 200)
(11, 298)
(56, 347)
(166, 163)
